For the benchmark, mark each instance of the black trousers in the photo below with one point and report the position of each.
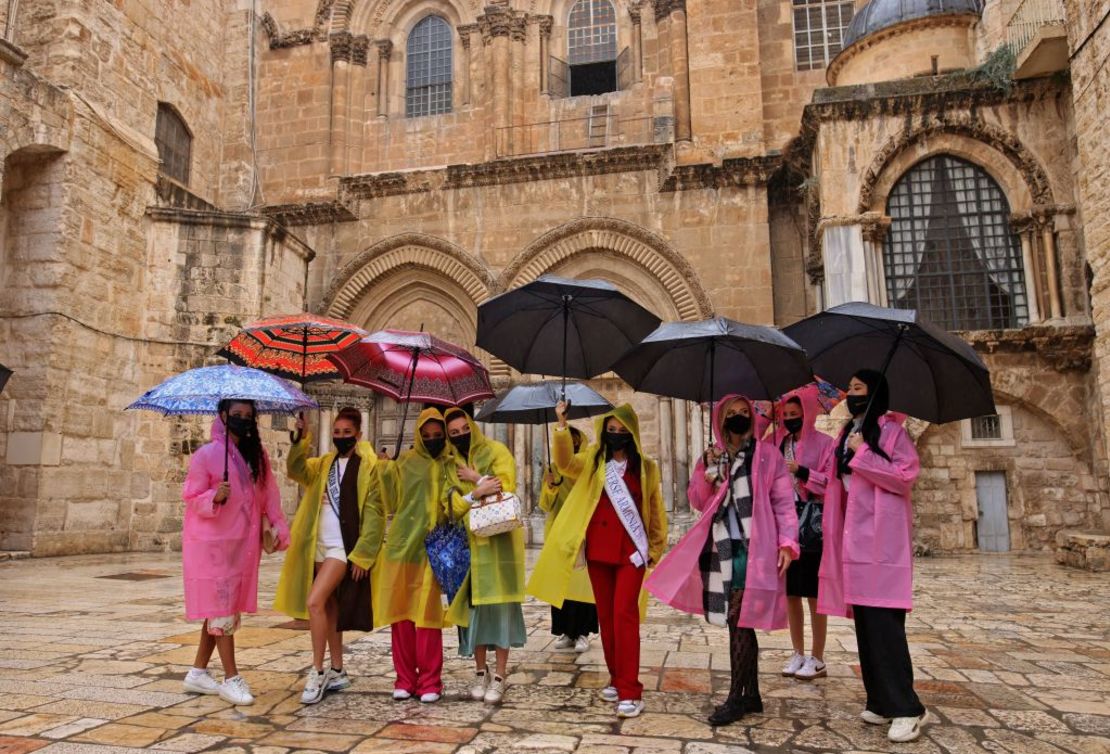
(884, 660)
(575, 619)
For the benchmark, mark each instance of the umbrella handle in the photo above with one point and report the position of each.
(886, 365)
(225, 451)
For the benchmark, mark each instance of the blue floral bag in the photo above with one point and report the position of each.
(448, 547)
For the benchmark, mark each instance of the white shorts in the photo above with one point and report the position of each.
(323, 552)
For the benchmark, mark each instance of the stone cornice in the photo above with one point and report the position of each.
(11, 54)
(309, 213)
(740, 171)
(219, 219)
(318, 32)
(897, 30)
(1064, 347)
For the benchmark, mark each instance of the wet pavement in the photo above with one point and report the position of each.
(1012, 655)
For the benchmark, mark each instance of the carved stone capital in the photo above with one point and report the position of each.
(545, 23)
(634, 12)
(360, 46)
(385, 49)
(874, 227)
(340, 43)
(502, 21)
(464, 34)
(664, 8)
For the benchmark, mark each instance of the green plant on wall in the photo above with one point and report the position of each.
(998, 69)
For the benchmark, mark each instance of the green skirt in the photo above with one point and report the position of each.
(498, 626)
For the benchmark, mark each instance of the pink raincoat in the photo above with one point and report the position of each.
(221, 544)
(868, 531)
(677, 580)
(812, 443)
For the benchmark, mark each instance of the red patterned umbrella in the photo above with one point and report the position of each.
(295, 347)
(414, 367)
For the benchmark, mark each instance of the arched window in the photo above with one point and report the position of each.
(428, 68)
(950, 252)
(174, 143)
(592, 47)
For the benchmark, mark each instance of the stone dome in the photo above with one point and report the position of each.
(881, 14)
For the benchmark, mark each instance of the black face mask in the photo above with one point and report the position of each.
(241, 427)
(793, 426)
(857, 404)
(435, 446)
(738, 424)
(462, 444)
(344, 444)
(618, 440)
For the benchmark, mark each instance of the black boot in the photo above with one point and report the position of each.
(727, 713)
(753, 703)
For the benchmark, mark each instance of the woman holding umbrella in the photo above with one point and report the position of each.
(229, 487)
(488, 607)
(614, 515)
(577, 618)
(867, 562)
(335, 538)
(730, 567)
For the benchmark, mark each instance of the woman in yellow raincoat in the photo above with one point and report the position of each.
(333, 542)
(614, 517)
(577, 618)
(488, 607)
(413, 490)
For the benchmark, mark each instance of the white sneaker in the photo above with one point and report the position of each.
(315, 685)
(496, 690)
(873, 718)
(200, 681)
(564, 642)
(429, 698)
(904, 729)
(630, 708)
(400, 695)
(338, 681)
(609, 694)
(794, 665)
(582, 644)
(481, 685)
(812, 668)
(236, 691)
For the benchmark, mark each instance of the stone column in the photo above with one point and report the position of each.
(385, 51)
(356, 109)
(1023, 226)
(496, 26)
(666, 451)
(323, 434)
(697, 431)
(675, 11)
(1052, 279)
(464, 83)
(518, 34)
(874, 229)
(545, 24)
(340, 97)
(637, 43)
(681, 455)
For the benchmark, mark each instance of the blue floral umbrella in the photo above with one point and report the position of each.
(199, 392)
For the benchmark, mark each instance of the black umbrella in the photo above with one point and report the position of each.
(933, 374)
(5, 373)
(534, 403)
(703, 361)
(564, 327)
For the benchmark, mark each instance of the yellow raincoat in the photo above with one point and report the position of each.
(312, 473)
(497, 562)
(552, 500)
(412, 490)
(551, 578)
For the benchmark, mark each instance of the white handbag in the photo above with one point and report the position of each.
(496, 514)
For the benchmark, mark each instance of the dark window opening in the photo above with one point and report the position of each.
(593, 78)
(174, 143)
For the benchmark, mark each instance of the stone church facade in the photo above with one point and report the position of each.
(172, 170)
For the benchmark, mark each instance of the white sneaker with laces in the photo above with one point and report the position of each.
(630, 708)
(609, 694)
(873, 718)
(812, 668)
(481, 685)
(794, 665)
(496, 690)
(200, 681)
(582, 644)
(430, 698)
(564, 642)
(904, 729)
(338, 681)
(236, 691)
(315, 685)
(400, 695)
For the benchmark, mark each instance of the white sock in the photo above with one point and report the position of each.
(194, 672)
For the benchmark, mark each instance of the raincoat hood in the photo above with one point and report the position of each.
(477, 438)
(430, 415)
(626, 415)
(811, 409)
(719, 416)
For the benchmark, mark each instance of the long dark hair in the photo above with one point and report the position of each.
(250, 446)
(879, 394)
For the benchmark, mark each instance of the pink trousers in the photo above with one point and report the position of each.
(417, 658)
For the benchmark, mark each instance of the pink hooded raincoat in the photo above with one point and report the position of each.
(677, 580)
(221, 543)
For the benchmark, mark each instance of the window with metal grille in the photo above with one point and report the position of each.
(174, 142)
(986, 427)
(428, 71)
(950, 252)
(592, 47)
(819, 27)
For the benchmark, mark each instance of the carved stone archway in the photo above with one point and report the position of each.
(623, 240)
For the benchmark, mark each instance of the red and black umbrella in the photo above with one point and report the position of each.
(295, 346)
(414, 367)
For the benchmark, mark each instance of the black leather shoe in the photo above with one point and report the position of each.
(753, 703)
(727, 714)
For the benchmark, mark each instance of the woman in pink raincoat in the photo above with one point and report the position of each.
(803, 446)
(730, 566)
(867, 563)
(221, 542)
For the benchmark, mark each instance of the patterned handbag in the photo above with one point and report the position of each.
(496, 514)
(448, 548)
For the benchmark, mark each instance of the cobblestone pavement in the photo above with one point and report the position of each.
(1012, 654)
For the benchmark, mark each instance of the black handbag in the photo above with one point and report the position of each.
(809, 526)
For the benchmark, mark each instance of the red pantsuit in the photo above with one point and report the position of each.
(417, 658)
(616, 584)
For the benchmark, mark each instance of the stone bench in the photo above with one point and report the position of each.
(1085, 550)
